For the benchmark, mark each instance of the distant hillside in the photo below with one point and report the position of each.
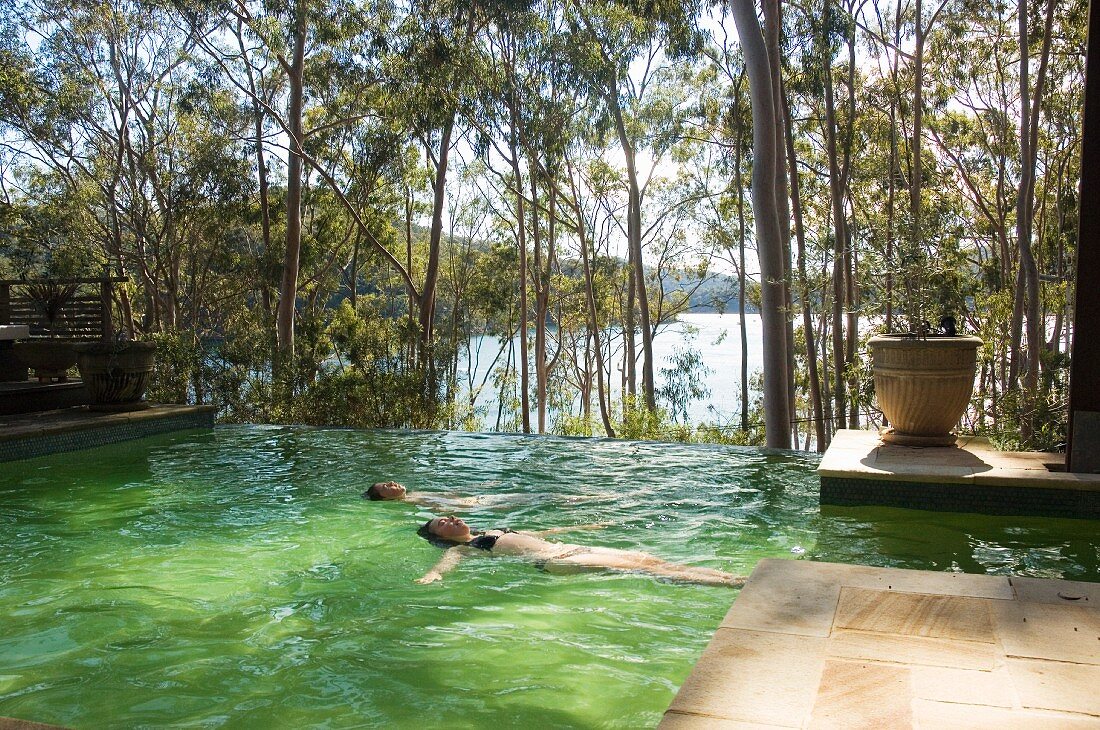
(716, 294)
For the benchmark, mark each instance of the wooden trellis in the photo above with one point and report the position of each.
(87, 315)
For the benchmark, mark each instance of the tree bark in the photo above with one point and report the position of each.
(820, 432)
(288, 288)
(435, 238)
(1029, 122)
(773, 23)
(777, 420)
(590, 309)
(634, 240)
(840, 235)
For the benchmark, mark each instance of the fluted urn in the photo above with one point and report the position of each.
(923, 385)
(116, 373)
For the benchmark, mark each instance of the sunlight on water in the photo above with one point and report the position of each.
(235, 578)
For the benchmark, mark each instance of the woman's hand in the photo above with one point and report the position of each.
(446, 564)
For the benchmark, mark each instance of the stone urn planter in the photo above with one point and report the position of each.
(50, 359)
(923, 385)
(116, 373)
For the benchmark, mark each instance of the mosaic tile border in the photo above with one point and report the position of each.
(109, 430)
(982, 499)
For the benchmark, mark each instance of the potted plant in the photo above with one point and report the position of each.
(116, 373)
(49, 357)
(924, 377)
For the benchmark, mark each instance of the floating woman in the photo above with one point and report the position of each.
(554, 557)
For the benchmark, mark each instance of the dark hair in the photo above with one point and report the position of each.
(372, 494)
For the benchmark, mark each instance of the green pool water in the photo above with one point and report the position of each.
(235, 578)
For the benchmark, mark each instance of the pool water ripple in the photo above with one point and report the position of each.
(235, 578)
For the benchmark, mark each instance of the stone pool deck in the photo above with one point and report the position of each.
(821, 645)
(859, 469)
(27, 435)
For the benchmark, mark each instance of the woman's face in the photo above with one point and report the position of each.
(449, 528)
(389, 490)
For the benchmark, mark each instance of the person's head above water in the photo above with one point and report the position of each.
(384, 490)
(446, 529)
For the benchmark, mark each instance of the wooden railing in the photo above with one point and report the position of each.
(84, 316)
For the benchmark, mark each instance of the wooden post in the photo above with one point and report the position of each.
(1083, 444)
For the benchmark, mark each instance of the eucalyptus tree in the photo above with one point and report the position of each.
(770, 246)
(607, 39)
(108, 101)
(1030, 104)
(315, 48)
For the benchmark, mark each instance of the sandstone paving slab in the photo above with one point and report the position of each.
(914, 614)
(786, 597)
(964, 686)
(952, 716)
(1048, 631)
(753, 676)
(682, 721)
(862, 695)
(1060, 592)
(1057, 685)
(895, 579)
(828, 645)
(913, 650)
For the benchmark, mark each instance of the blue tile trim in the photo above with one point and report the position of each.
(84, 438)
(984, 499)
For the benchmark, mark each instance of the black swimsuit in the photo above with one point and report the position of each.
(485, 541)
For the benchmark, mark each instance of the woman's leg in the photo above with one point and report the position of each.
(633, 560)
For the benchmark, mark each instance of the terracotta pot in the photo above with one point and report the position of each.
(50, 359)
(923, 385)
(116, 373)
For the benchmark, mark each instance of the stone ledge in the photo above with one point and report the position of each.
(858, 469)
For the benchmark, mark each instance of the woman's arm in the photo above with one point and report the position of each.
(451, 558)
(442, 503)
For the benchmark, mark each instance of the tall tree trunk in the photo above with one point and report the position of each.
(540, 308)
(820, 432)
(258, 115)
(435, 239)
(1029, 123)
(521, 244)
(916, 165)
(590, 307)
(895, 170)
(634, 240)
(542, 295)
(840, 237)
(851, 259)
(738, 160)
(777, 420)
(288, 289)
(773, 23)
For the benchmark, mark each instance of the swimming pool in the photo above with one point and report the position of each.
(235, 578)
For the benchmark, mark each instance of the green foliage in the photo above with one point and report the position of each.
(147, 137)
(683, 382)
(180, 369)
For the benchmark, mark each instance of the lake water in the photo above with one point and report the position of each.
(716, 337)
